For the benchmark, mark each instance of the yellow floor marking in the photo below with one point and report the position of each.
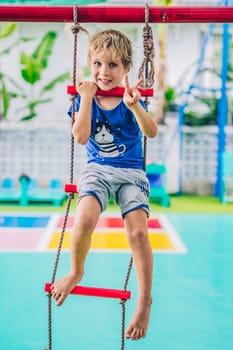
(115, 240)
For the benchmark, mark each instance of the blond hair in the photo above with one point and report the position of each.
(114, 40)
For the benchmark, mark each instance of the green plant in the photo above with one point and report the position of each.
(32, 68)
(170, 98)
(6, 30)
(7, 83)
(203, 110)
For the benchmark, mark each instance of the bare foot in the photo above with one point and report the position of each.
(61, 288)
(138, 326)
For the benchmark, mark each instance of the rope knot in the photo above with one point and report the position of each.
(71, 195)
(147, 66)
(76, 28)
(122, 301)
(148, 41)
(72, 98)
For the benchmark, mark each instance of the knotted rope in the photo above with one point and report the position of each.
(75, 30)
(146, 72)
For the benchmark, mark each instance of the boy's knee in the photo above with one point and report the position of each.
(138, 236)
(85, 224)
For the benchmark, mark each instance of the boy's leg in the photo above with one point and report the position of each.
(86, 217)
(137, 233)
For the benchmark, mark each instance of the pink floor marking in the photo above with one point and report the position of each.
(19, 238)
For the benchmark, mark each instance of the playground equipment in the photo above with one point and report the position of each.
(222, 104)
(30, 192)
(117, 14)
(146, 72)
(227, 177)
(156, 174)
(9, 192)
(112, 14)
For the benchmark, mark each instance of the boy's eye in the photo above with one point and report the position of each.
(112, 65)
(97, 63)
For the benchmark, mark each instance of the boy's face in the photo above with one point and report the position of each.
(107, 69)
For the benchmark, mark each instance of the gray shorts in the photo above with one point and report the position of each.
(129, 187)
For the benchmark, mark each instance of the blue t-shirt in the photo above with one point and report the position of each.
(116, 138)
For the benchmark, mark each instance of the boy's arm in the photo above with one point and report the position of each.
(81, 129)
(146, 123)
(131, 98)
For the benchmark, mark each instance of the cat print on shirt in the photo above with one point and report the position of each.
(104, 138)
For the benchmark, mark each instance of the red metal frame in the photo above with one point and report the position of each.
(119, 91)
(119, 14)
(96, 292)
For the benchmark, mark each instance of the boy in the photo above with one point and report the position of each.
(112, 128)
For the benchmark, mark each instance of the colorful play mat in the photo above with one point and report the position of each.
(192, 283)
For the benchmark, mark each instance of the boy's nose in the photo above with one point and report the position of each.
(104, 68)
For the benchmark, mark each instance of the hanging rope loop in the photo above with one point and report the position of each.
(146, 71)
(76, 27)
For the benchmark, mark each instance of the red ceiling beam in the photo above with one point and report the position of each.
(119, 14)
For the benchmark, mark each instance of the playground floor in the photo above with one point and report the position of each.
(192, 291)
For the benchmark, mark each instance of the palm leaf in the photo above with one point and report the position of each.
(7, 30)
(29, 117)
(31, 71)
(60, 79)
(7, 50)
(44, 50)
(14, 83)
(31, 105)
(6, 96)
(5, 100)
(12, 46)
(26, 39)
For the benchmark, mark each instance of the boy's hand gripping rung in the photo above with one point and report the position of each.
(118, 91)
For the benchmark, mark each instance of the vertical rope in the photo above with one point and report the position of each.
(75, 29)
(146, 71)
(122, 303)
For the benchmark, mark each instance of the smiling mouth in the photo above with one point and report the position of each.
(105, 81)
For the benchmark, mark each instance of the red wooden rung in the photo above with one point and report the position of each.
(119, 91)
(96, 292)
(71, 188)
